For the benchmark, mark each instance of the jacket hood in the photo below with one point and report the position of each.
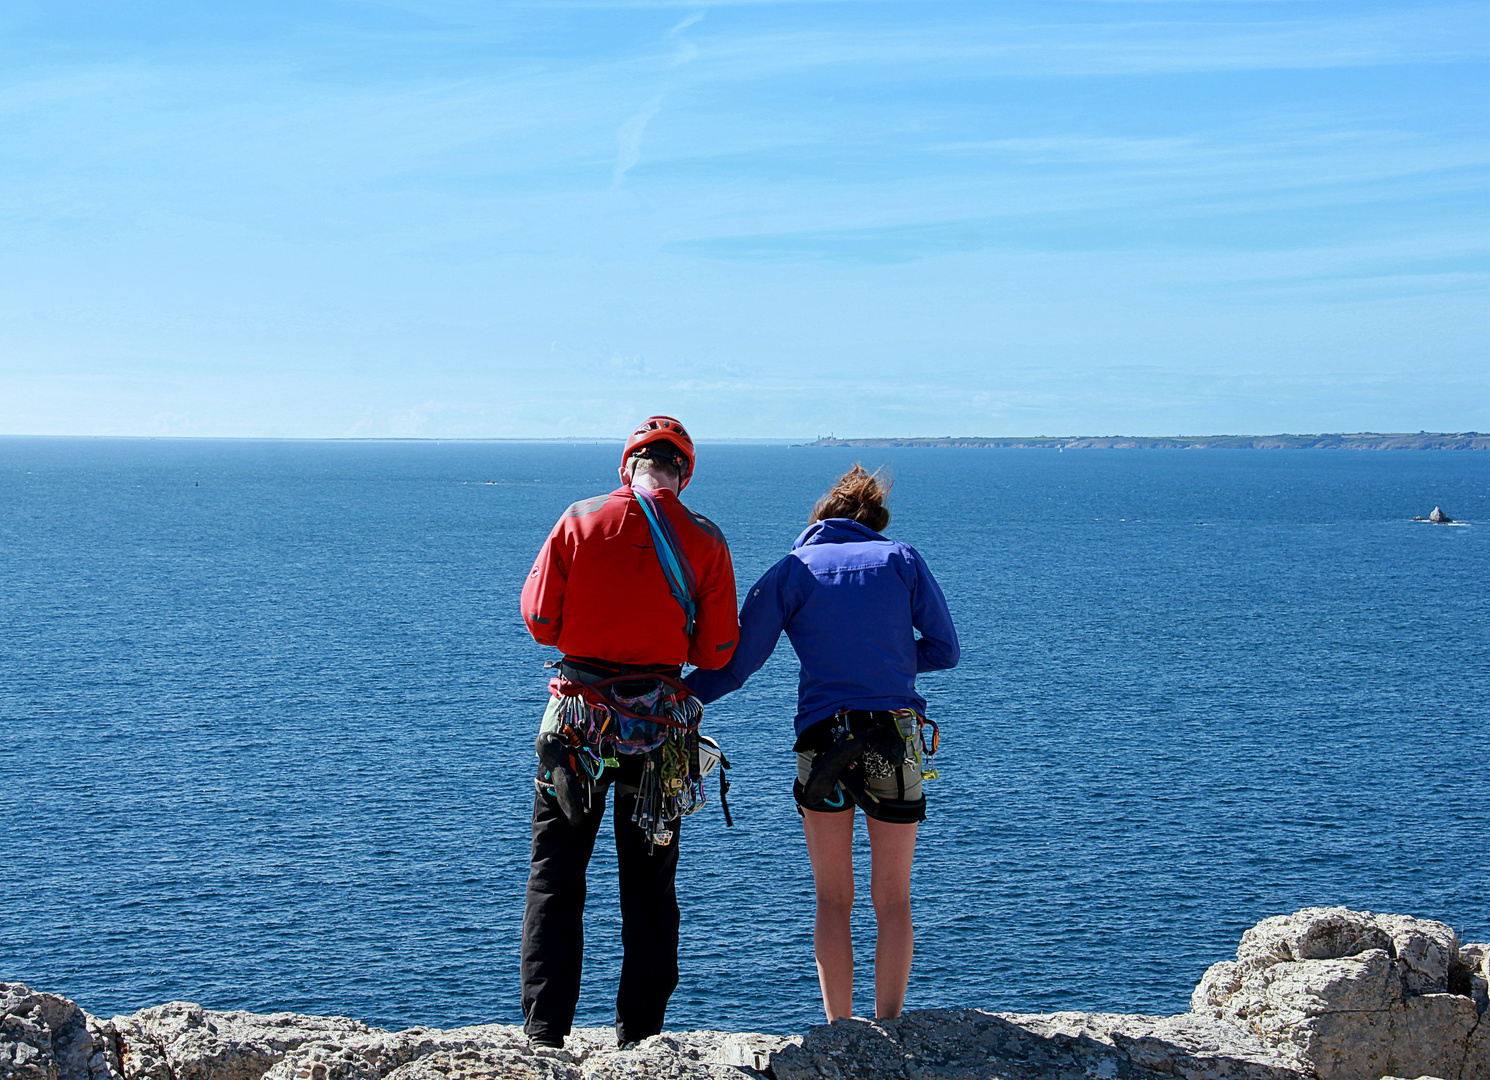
(836, 531)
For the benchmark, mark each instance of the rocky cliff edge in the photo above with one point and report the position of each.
(1323, 994)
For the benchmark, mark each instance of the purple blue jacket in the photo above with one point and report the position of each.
(850, 601)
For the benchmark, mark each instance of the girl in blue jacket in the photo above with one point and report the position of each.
(852, 601)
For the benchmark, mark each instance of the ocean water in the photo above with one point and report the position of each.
(268, 712)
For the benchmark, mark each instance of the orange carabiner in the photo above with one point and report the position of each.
(936, 736)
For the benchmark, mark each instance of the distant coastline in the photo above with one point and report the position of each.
(1365, 440)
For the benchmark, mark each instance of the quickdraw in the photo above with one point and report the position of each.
(923, 750)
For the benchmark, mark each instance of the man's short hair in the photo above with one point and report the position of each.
(661, 456)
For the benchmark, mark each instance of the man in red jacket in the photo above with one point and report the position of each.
(617, 604)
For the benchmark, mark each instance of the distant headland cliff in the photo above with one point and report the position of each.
(1322, 994)
(1364, 440)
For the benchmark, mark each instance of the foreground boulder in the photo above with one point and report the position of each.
(1357, 996)
(1323, 994)
(46, 1037)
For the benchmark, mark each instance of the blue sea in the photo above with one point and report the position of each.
(268, 711)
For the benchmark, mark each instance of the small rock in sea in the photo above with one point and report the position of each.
(1439, 516)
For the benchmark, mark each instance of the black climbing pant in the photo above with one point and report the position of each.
(553, 920)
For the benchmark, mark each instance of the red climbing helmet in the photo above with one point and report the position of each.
(657, 429)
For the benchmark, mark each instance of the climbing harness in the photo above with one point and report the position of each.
(651, 716)
(854, 746)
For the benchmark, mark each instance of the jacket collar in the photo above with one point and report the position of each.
(663, 494)
(836, 531)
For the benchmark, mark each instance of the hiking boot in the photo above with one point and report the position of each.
(559, 774)
(829, 765)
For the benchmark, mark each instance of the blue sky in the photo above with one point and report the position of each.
(449, 219)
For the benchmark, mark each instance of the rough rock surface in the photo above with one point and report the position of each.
(183, 1041)
(46, 1037)
(1323, 994)
(496, 1052)
(1356, 995)
(971, 1044)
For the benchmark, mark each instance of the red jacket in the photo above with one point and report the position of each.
(597, 590)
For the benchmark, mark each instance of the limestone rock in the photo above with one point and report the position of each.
(971, 1044)
(1425, 949)
(183, 1041)
(484, 1064)
(1439, 516)
(692, 1055)
(46, 1037)
(371, 1054)
(1323, 994)
(1471, 976)
(1312, 934)
(498, 1052)
(1352, 994)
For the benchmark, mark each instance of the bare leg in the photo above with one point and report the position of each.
(890, 851)
(830, 846)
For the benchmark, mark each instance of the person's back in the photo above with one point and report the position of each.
(628, 586)
(598, 591)
(852, 601)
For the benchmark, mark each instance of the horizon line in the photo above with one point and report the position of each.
(745, 439)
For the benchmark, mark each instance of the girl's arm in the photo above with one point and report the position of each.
(768, 607)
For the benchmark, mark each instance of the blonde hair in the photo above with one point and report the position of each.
(858, 495)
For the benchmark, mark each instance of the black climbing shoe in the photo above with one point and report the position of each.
(829, 765)
(559, 774)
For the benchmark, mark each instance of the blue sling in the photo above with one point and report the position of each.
(669, 554)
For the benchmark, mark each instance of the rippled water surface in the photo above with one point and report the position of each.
(269, 707)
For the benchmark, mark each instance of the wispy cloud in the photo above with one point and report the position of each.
(686, 49)
(630, 138)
